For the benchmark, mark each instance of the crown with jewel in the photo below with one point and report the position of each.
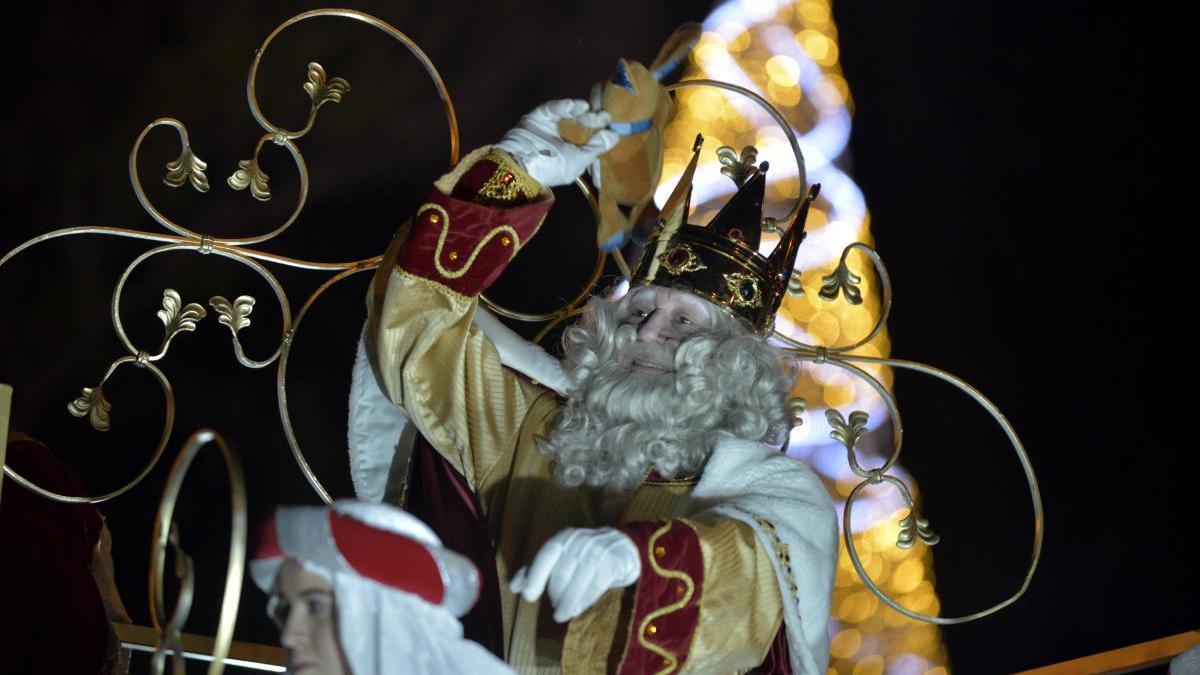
(720, 261)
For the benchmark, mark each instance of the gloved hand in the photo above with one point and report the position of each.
(579, 565)
(550, 160)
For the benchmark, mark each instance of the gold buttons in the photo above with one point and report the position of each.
(660, 551)
(453, 255)
(651, 629)
(505, 241)
(680, 588)
(435, 218)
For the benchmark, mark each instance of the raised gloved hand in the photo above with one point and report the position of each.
(550, 160)
(578, 566)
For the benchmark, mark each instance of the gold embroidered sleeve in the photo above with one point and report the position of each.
(740, 608)
(447, 376)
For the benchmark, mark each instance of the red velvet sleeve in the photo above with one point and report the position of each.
(667, 597)
(464, 239)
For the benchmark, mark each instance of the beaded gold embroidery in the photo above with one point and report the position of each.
(509, 184)
(781, 552)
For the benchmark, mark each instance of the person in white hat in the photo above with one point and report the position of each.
(367, 589)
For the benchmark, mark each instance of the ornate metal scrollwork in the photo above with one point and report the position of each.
(178, 317)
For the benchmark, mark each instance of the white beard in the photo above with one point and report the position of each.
(618, 424)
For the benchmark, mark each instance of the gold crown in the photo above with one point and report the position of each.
(720, 261)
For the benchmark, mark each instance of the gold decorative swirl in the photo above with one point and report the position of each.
(374, 22)
(912, 524)
(784, 125)
(848, 433)
(144, 365)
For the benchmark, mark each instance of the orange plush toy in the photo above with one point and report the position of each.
(640, 108)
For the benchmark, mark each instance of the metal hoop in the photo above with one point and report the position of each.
(237, 542)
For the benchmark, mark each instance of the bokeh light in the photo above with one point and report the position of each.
(787, 51)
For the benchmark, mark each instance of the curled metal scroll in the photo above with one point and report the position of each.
(166, 533)
(281, 380)
(842, 282)
(188, 158)
(875, 476)
(375, 22)
(232, 253)
(189, 168)
(169, 400)
(775, 114)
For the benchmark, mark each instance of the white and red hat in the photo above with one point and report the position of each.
(397, 590)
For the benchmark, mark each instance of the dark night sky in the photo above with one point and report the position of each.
(1003, 151)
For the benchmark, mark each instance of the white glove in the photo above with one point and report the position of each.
(549, 159)
(580, 565)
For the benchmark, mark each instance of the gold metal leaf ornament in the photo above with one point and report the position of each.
(738, 167)
(796, 407)
(912, 527)
(93, 405)
(842, 281)
(250, 175)
(187, 168)
(323, 91)
(177, 317)
(848, 433)
(234, 314)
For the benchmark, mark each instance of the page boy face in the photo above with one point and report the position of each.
(304, 611)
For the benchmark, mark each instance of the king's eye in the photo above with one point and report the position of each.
(639, 313)
(685, 321)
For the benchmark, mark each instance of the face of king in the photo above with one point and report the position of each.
(655, 376)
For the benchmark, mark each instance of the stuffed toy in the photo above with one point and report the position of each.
(640, 108)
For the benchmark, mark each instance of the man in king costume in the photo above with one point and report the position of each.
(639, 522)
